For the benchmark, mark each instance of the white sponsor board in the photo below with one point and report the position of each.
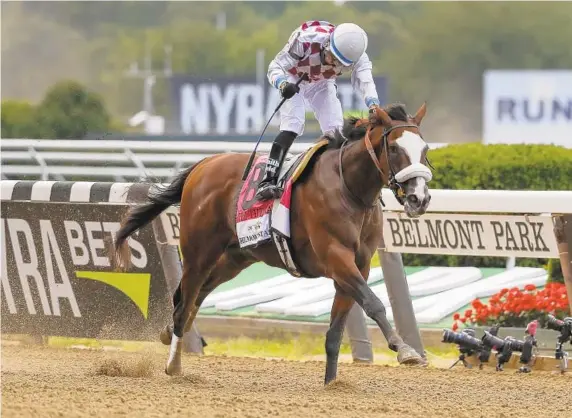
(479, 235)
(452, 234)
(531, 107)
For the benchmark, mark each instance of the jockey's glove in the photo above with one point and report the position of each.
(288, 90)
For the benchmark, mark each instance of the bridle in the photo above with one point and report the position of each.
(394, 184)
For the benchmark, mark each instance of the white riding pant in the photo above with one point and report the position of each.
(322, 98)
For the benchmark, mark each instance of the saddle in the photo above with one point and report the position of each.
(258, 222)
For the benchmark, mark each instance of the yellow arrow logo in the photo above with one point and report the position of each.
(136, 286)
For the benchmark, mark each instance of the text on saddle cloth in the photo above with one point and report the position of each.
(253, 217)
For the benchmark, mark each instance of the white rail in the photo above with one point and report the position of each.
(491, 201)
(113, 160)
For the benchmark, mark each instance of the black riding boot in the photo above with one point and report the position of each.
(267, 189)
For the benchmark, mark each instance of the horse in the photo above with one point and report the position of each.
(335, 218)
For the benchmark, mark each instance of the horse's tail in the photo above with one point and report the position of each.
(138, 217)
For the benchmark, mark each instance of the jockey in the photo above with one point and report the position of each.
(322, 51)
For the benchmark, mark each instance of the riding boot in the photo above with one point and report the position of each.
(268, 189)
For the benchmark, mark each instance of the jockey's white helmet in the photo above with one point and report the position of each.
(348, 42)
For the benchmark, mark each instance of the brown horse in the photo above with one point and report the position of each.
(336, 223)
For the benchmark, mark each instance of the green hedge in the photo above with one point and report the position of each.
(497, 167)
(68, 111)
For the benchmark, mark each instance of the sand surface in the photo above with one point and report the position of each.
(56, 382)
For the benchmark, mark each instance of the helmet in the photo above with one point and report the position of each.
(348, 42)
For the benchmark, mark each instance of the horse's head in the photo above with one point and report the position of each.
(403, 156)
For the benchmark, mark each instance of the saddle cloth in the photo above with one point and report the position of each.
(258, 222)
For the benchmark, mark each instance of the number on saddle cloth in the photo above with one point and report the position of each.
(253, 181)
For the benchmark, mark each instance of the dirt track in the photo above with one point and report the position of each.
(48, 382)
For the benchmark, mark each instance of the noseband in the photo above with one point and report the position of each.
(395, 186)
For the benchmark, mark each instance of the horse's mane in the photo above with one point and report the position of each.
(396, 111)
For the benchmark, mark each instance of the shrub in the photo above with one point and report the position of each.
(70, 111)
(18, 119)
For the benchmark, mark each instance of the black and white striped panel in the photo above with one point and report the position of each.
(73, 191)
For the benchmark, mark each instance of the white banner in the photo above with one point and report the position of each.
(479, 235)
(531, 107)
(452, 234)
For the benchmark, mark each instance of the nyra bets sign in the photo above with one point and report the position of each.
(56, 276)
(479, 235)
(527, 107)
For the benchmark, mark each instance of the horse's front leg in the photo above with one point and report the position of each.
(348, 277)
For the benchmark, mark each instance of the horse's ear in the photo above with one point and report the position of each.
(382, 116)
(420, 114)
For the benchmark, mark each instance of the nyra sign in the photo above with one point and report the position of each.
(240, 106)
(530, 107)
(479, 235)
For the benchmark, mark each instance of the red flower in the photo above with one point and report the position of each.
(455, 326)
(510, 307)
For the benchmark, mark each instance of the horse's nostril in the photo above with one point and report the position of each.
(413, 200)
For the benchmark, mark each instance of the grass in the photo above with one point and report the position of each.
(288, 347)
(301, 348)
(292, 349)
(68, 342)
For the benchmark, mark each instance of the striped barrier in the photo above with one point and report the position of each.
(76, 192)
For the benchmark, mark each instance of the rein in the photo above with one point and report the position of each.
(393, 184)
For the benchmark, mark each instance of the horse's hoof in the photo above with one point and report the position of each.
(408, 356)
(173, 369)
(166, 335)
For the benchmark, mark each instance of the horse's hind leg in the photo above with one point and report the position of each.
(190, 286)
(226, 268)
(340, 310)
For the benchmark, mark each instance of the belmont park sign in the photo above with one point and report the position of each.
(479, 235)
(240, 105)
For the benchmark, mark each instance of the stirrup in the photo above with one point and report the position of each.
(268, 191)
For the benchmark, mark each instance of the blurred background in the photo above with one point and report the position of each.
(197, 70)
